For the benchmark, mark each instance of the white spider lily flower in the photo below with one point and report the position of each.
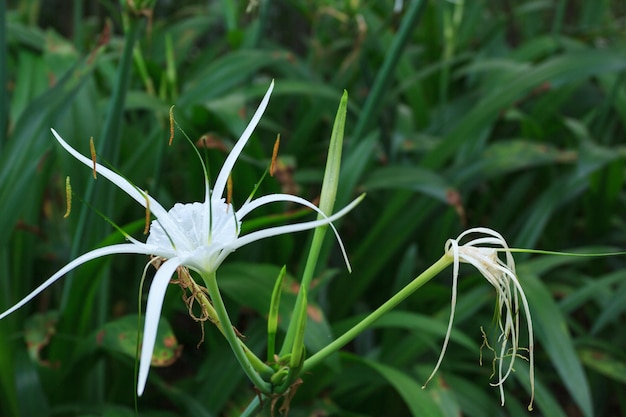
(501, 275)
(197, 235)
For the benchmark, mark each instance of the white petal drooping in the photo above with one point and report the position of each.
(502, 276)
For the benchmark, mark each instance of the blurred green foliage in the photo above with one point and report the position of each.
(509, 115)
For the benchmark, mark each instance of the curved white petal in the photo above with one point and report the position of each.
(116, 179)
(249, 206)
(272, 198)
(126, 186)
(298, 227)
(153, 313)
(97, 253)
(220, 183)
(451, 245)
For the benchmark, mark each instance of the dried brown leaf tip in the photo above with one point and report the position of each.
(92, 149)
(274, 155)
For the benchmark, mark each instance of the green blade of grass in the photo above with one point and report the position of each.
(554, 337)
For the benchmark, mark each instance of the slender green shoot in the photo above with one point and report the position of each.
(272, 319)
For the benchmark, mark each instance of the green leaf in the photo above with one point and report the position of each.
(409, 178)
(554, 337)
(121, 336)
(418, 400)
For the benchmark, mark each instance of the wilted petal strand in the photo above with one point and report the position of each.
(501, 275)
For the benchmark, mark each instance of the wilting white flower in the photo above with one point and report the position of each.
(501, 275)
(196, 235)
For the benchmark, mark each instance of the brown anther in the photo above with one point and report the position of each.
(146, 229)
(274, 155)
(229, 190)
(68, 197)
(92, 148)
(171, 125)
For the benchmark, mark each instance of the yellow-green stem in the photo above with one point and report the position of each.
(348, 336)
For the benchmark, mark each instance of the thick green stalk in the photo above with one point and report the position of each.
(364, 324)
(327, 202)
(231, 337)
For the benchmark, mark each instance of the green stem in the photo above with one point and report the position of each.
(348, 336)
(4, 77)
(239, 350)
(213, 317)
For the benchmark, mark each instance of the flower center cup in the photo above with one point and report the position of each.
(202, 233)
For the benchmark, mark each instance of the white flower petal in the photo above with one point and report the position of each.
(249, 206)
(451, 246)
(220, 183)
(128, 187)
(153, 314)
(281, 230)
(116, 179)
(96, 253)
